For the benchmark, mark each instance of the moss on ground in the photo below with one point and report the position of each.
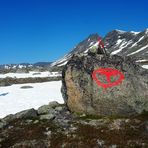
(130, 134)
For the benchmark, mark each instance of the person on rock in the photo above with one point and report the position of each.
(101, 47)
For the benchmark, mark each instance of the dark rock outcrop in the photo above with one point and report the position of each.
(83, 95)
(30, 113)
(9, 81)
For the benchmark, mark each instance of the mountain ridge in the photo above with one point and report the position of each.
(122, 43)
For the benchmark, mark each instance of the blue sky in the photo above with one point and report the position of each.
(45, 30)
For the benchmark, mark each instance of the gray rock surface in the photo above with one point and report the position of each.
(47, 117)
(45, 109)
(82, 94)
(59, 108)
(30, 113)
(2, 124)
(53, 104)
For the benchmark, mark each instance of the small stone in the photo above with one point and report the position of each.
(10, 127)
(100, 142)
(28, 121)
(143, 144)
(65, 121)
(73, 129)
(1, 139)
(67, 112)
(113, 146)
(59, 108)
(117, 124)
(127, 120)
(26, 87)
(36, 121)
(53, 104)
(48, 133)
(2, 124)
(137, 121)
(30, 113)
(43, 109)
(47, 117)
(83, 115)
(47, 128)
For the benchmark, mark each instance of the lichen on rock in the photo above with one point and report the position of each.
(82, 94)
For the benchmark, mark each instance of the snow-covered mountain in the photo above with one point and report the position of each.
(24, 67)
(15, 66)
(123, 43)
(82, 47)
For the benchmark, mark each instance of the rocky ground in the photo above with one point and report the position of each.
(54, 126)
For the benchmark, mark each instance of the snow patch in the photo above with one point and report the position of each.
(21, 66)
(60, 61)
(146, 31)
(119, 41)
(133, 32)
(31, 74)
(63, 63)
(144, 60)
(138, 50)
(145, 66)
(93, 45)
(122, 44)
(13, 99)
(120, 31)
(135, 44)
(6, 67)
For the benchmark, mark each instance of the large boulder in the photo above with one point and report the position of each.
(83, 95)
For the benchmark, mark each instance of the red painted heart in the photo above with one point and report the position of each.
(108, 72)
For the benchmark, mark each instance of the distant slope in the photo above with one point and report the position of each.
(24, 67)
(123, 43)
(82, 47)
(134, 44)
